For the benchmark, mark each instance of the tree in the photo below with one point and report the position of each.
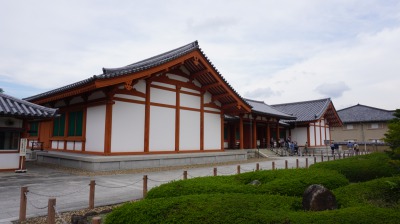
(1, 90)
(392, 137)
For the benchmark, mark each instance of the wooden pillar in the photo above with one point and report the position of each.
(51, 213)
(147, 118)
(91, 194)
(254, 140)
(268, 139)
(22, 204)
(177, 117)
(108, 125)
(241, 132)
(278, 137)
(202, 121)
(222, 132)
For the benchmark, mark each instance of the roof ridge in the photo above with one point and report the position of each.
(367, 107)
(301, 102)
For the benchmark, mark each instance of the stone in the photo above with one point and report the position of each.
(77, 219)
(255, 182)
(318, 198)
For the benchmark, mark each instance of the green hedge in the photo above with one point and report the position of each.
(291, 182)
(382, 192)
(361, 168)
(242, 208)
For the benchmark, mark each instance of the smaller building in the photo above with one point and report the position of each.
(313, 121)
(17, 117)
(363, 124)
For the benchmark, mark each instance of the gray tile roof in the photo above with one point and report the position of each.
(263, 108)
(136, 67)
(13, 107)
(150, 62)
(305, 111)
(362, 113)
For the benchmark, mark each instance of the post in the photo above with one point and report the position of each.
(315, 160)
(215, 171)
(297, 163)
(22, 204)
(286, 164)
(96, 220)
(185, 175)
(273, 165)
(144, 186)
(344, 155)
(238, 169)
(91, 193)
(51, 213)
(334, 157)
(257, 166)
(329, 158)
(306, 162)
(322, 158)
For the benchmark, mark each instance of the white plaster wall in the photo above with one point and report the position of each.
(96, 95)
(162, 129)
(318, 135)
(299, 135)
(323, 135)
(312, 136)
(70, 145)
(189, 90)
(191, 101)
(212, 109)
(57, 144)
(9, 160)
(163, 96)
(95, 126)
(212, 131)
(177, 77)
(189, 138)
(140, 86)
(207, 97)
(76, 100)
(127, 127)
(130, 97)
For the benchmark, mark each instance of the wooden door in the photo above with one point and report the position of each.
(45, 129)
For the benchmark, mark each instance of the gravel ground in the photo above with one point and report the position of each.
(65, 217)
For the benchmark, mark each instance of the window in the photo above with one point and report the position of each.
(349, 126)
(9, 140)
(375, 126)
(33, 128)
(75, 121)
(59, 125)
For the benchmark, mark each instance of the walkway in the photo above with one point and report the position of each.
(72, 191)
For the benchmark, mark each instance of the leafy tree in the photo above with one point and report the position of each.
(1, 90)
(392, 137)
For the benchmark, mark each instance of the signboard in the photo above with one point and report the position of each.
(22, 147)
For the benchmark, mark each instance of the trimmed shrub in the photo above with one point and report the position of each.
(361, 168)
(291, 182)
(382, 192)
(241, 208)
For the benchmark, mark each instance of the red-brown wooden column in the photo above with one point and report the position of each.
(254, 140)
(108, 126)
(268, 140)
(202, 121)
(177, 117)
(222, 132)
(278, 137)
(147, 118)
(241, 131)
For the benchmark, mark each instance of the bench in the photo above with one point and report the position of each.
(37, 145)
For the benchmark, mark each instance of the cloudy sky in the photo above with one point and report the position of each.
(275, 51)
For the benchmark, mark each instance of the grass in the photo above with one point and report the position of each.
(372, 196)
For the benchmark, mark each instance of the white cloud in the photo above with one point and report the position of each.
(276, 51)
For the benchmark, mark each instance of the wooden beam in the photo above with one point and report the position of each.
(207, 87)
(197, 74)
(216, 97)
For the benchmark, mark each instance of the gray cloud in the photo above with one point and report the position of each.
(334, 89)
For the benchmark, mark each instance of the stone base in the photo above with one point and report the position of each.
(107, 163)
